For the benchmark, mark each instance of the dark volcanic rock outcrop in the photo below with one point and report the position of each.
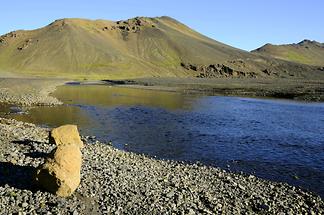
(216, 71)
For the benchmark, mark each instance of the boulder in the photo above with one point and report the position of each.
(60, 174)
(66, 134)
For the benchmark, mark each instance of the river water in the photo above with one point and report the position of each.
(279, 140)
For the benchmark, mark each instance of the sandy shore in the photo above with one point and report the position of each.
(115, 181)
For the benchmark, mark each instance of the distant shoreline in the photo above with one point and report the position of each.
(36, 91)
(294, 89)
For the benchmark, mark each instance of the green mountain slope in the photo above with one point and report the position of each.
(305, 52)
(138, 47)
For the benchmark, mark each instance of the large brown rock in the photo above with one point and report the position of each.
(60, 174)
(66, 134)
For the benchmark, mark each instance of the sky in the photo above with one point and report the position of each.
(245, 24)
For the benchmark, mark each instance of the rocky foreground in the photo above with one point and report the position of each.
(114, 181)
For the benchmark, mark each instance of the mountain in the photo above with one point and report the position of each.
(306, 52)
(133, 48)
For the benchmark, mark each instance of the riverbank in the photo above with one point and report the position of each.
(296, 89)
(117, 181)
(32, 91)
(29, 91)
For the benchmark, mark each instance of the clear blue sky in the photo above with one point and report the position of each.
(246, 24)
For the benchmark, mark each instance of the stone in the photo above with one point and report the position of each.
(170, 194)
(60, 174)
(241, 187)
(66, 134)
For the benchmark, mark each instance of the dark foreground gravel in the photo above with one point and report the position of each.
(118, 182)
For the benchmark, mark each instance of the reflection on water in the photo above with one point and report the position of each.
(55, 116)
(82, 104)
(279, 140)
(100, 95)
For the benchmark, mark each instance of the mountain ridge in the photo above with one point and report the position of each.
(132, 48)
(307, 51)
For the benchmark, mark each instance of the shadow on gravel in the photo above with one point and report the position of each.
(37, 154)
(27, 142)
(31, 144)
(20, 177)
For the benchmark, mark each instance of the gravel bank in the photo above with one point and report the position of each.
(28, 92)
(120, 182)
(297, 89)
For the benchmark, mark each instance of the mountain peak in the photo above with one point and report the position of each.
(82, 20)
(310, 42)
(306, 41)
(306, 52)
(68, 20)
